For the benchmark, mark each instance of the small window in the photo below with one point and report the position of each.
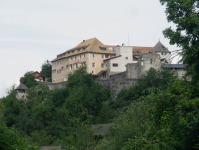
(93, 71)
(106, 56)
(151, 61)
(103, 48)
(76, 65)
(71, 58)
(84, 55)
(106, 65)
(59, 70)
(126, 58)
(102, 55)
(71, 67)
(62, 69)
(162, 53)
(93, 55)
(79, 56)
(102, 65)
(75, 57)
(66, 67)
(93, 64)
(115, 65)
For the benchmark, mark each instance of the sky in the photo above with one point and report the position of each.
(33, 31)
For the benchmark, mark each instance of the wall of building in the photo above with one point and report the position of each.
(125, 53)
(21, 96)
(98, 59)
(57, 65)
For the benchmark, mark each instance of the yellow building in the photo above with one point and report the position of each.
(89, 52)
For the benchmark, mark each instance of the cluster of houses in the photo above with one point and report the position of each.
(102, 60)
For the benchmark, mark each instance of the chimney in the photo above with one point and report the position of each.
(83, 41)
(123, 44)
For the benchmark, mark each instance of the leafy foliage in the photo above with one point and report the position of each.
(157, 79)
(184, 13)
(29, 79)
(10, 140)
(46, 70)
(174, 120)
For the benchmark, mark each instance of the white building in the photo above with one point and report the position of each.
(117, 64)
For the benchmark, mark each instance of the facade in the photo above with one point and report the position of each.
(89, 52)
(159, 48)
(118, 63)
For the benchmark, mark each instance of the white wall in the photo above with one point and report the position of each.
(124, 51)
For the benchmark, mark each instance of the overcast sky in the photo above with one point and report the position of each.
(34, 31)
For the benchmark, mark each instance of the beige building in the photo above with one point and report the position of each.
(89, 52)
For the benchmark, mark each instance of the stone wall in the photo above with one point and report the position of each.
(53, 86)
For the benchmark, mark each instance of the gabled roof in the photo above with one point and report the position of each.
(92, 45)
(159, 47)
(21, 86)
(38, 73)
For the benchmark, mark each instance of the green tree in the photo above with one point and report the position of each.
(28, 79)
(157, 79)
(184, 14)
(46, 70)
(174, 120)
(10, 140)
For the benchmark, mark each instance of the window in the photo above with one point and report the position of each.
(93, 64)
(76, 65)
(126, 58)
(79, 56)
(71, 67)
(106, 65)
(102, 55)
(75, 57)
(93, 71)
(106, 56)
(59, 70)
(151, 61)
(93, 55)
(62, 69)
(115, 65)
(66, 67)
(103, 48)
(71, 58)
(162, 53)
(102, 65)
(84, 55)
(165, 53)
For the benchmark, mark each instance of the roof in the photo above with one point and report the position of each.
(38, 73)
(112, 57)
(91, 45)
(174, 66)
(21, 86)
(101, 128)
(159, 47)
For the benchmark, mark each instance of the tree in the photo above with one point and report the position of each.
(10, 140)
(46, 70)
(184, 13)
(28, 79)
